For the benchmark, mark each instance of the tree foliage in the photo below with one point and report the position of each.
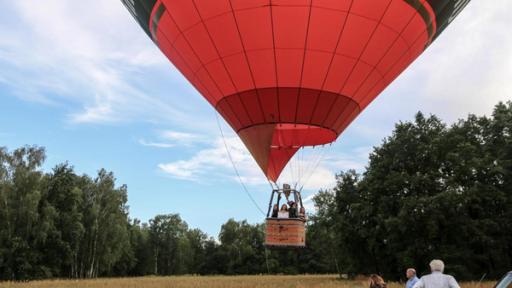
(429, 191)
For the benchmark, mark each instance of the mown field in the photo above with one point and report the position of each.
(302, 281)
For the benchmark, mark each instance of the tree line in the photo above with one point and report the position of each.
(429, 191)
(63, 225)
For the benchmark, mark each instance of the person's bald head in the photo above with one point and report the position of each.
(410, 273)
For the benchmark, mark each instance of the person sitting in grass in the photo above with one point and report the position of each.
(376, 281)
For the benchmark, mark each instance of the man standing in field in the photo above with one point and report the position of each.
(411, 276)
(436, 279)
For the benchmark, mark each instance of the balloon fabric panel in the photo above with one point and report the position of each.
(291, 73)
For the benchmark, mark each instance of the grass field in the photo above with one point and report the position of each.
(302, 281)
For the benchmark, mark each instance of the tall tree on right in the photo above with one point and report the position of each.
(431, 191)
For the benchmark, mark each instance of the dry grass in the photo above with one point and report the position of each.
(302, 281)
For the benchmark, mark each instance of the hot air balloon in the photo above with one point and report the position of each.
(287, 74)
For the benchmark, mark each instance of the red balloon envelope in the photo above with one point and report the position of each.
(291, 73)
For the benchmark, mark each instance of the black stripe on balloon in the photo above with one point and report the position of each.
(154, 22)
(420, 8)
(141, 11)
(446, 11)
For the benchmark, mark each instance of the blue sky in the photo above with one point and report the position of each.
(83, 80)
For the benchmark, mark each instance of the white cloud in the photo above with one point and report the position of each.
(470, 69)
(466, 70)
(321, 178)
(88, 57)
(171, 138)
(181, 137)
(323, 175)
(63, 52)
(308, 203)
(214, 161)
(310, 169)
(156, 144)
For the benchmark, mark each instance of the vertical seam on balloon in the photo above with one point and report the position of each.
(275, 61)
(365, 47)
(348, 118)
(184, 62)
(209, 18)
(193, 51)
(253, 8)
(302, 77)
(270, 154)
(206, 70)
(425, 15)
(222, 61)
(155, 19)
(303, 60)
(357, 61)
(293, 49)
(340, 35)
(393, 66)
(395, 63)
(194, 77)
(385, 53)
(284, 149)
(247, 61)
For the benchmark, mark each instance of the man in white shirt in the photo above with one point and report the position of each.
(436, 279)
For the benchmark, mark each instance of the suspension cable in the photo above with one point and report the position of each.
(271, 185)
(266, 260)
(320, 158)
(234, 167)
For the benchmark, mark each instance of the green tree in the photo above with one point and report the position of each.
(105, 218)
(430, 191)
(142, 249)
(242, 247)
(23, 227)
(168, 238)
(67, 230)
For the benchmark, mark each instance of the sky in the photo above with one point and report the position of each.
(83, 80)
